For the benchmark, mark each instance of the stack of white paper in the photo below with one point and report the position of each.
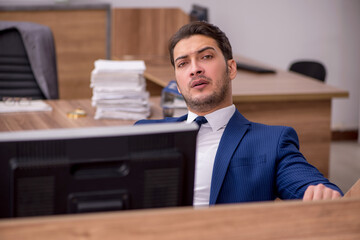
(119, 90)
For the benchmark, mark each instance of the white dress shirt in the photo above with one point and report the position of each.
(206, 147)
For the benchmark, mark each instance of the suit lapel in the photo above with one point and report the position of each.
(231, 138)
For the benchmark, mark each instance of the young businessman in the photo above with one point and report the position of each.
(237, 160)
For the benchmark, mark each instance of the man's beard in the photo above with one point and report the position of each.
(206, 104)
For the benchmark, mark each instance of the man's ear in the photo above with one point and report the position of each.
(232, 68)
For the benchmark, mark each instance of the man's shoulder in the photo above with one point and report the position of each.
(271, 128)
(238, 118)
(164, 120)
(268, 126)
(273, 131)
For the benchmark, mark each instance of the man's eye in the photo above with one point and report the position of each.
(207, 57)
(181, 64)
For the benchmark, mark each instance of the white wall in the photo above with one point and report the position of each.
(280, 31)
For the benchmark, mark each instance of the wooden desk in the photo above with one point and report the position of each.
(57, 118)
(280, 220)
(338, 219)
(284, 98)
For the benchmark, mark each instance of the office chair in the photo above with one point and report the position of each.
(309, 68)
(27, 61)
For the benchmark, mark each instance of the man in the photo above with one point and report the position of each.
(237, 160)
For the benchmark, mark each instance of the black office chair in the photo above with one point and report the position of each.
(309, 68)
(27, 69)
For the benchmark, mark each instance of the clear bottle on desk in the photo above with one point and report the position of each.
(172, 101)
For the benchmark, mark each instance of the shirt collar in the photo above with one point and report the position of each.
(216, 120)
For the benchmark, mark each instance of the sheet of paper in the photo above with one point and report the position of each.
(30, 106)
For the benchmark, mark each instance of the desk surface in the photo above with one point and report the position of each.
(337, 219)
(248, 86)
(57, 118)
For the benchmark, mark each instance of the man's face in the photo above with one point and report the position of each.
(202, 74)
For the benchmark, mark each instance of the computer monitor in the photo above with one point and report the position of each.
(61, 171)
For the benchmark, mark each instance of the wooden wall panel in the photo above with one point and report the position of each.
(80, 39)
(144, 31)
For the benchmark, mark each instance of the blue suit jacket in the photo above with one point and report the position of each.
(257, 162)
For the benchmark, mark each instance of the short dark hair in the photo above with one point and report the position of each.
(201, 28)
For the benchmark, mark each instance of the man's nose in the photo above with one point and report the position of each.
(196, 69)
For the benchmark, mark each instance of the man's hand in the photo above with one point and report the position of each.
(320, 192)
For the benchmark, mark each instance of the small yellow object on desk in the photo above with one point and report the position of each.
(77, 113)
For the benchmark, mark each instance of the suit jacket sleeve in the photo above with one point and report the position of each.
(294, 173)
